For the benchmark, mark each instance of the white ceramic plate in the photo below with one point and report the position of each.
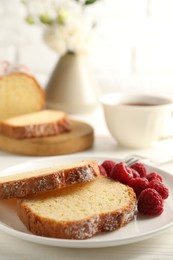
(137, 230)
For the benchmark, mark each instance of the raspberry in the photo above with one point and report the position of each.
(140, 168)
(108, 166)
(138, 184)
(121, 173)
(150, 202)
(159, 187)
(135, 173)
(102, 170)
(154, 175)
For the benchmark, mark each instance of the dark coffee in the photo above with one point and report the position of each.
(139, 104)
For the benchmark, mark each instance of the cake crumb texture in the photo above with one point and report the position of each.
(20, 94)
(79, 211)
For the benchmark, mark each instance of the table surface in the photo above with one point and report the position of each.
(158, 247)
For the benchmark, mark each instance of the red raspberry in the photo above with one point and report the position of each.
(121, 173)
(135, 173)
(138, 184)
(154, 175)
(140, 168)
(150, 202)
(159, 187)
(102, 170)
(108, 166)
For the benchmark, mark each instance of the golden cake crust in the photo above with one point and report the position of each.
(82, 228)
(34, 182)
(60, 123)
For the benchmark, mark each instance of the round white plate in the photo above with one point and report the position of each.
(137, 230)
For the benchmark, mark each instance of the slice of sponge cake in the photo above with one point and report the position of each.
(33, 182)
(19, 91)
(38, 124)
(79, 211)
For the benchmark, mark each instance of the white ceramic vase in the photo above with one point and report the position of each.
(72, 87)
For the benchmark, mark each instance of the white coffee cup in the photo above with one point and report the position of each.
(136, 120)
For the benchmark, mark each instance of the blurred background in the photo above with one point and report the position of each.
(132, 48)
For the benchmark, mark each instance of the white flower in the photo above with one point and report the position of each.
(68, 28)
(74, 36)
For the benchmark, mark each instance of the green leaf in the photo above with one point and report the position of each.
(88, 2)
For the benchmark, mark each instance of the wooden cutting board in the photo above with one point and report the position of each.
(80, 138)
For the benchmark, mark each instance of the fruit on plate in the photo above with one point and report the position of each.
(148, 186)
